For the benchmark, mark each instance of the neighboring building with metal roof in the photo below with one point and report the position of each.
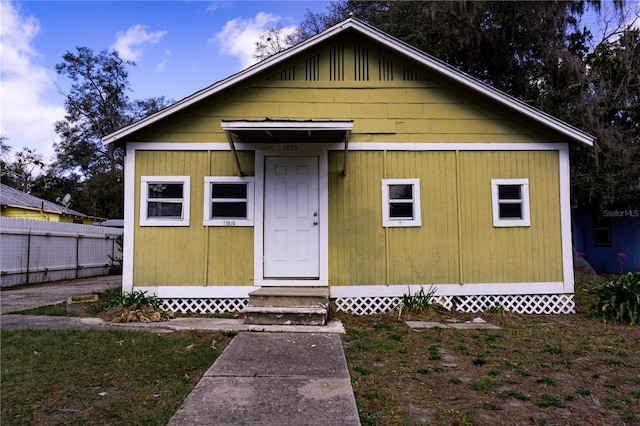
(15, 203)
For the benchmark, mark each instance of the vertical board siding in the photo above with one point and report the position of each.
(356, 237)
(362, 252)
(193, 255)
(428, 254)
(518, 254)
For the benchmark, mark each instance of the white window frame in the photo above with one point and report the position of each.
(389, 222)
(185, 200)
(524, 201)
(250, 200)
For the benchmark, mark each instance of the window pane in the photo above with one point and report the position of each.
(229, 210)
(509, 192)
(401, 210)
(400, 192)
(164, 210)
(228, 190)
(165, 190)
(602, 237)
(511, 211)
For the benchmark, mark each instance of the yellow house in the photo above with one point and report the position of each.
(18, 204)
(356, 162)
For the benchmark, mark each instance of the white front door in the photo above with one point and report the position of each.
(291, 218)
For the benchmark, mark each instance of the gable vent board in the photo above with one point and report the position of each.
(289, 74)
(361, 63)
(336, 62)
(409, 75)
(312, 68)
(385, 68)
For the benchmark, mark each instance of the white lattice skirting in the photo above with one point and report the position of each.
(521, 304)
(205, 306)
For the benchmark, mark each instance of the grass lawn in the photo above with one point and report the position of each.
(95, 377)
(536, 370)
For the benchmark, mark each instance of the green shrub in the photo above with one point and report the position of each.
(618, 298)
(134, 300)
(416, 302)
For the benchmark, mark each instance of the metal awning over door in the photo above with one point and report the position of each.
(286, 131)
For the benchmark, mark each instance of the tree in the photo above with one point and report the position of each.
(538, 53)
(97, 104)
(610, 173)
(272, 41)
(20, 168)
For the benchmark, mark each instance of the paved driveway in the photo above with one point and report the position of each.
(18, 299)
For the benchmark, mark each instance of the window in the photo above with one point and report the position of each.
(510, 199)
(602, 232)
(400, 202)
(228, 201)
(164, 201)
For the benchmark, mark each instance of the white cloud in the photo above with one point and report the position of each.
(219, 5)
(129, 43)
(27, 115)
(239, 36)
(161, 66)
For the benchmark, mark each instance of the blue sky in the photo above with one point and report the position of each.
(179, 47)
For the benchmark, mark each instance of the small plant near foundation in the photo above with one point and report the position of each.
(134, 299)
(136, 306)
(416, 302)
(618, 298)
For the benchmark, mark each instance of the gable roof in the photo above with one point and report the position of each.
(431, 63)
(11, 197)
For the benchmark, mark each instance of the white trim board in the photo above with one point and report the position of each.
(476, 289)
(353, 146)
(129, 219)
(197, 292)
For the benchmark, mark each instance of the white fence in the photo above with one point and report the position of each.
(36, 251)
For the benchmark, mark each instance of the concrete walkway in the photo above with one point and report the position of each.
(14, 299)
(277, 378)
(274, 379)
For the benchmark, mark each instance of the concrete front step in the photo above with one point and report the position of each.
(269, 315)
(289, 297)
(287, 306)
